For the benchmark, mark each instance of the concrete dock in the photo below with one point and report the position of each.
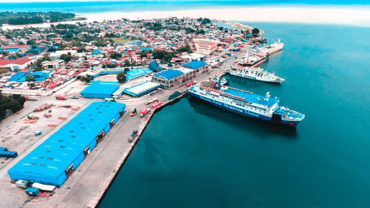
(86, 186)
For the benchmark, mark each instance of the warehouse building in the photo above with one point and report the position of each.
(142, 89)
(168, 78)
(175, 77)
(97, 90)
(55, 159)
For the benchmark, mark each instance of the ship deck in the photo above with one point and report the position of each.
(253, 98)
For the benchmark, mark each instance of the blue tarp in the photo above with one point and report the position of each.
(169, 74)
(35, 51)
(96, 52)
(146, 49)
(47, 164)
(40, 76)
(195, 64)
(10, 50)
(99, 90)
(18, 76)
(21, 76)
(132, 74)
(155, 67)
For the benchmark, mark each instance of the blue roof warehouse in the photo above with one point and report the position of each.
(99, 90)
(56, 158)
(187, 72)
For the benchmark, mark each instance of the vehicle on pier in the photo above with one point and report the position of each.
(144, 112)
(133, 135)
(133, 113)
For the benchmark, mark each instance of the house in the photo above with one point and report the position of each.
(55, 64)
(15, 65)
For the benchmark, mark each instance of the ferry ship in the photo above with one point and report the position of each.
(245, 103)
(275, 47)
(255, 73)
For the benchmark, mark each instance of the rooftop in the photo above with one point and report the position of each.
(169, 74)
(99, 89)
(48, 162)
(195, 64)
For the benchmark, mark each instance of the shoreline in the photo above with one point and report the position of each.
(357, 16)
(335, 15)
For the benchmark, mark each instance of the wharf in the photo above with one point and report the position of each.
(87, 185)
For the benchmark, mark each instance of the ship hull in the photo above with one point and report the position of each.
(240, 111)
(261, 80)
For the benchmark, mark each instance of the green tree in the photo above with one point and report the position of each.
(30, 78)
(127, 63)
(66, 57)
(206, 21)
(255, 32)
(121, 77)
(163, 55)
(5, 53)
(184, 49)
(116, 55)
(11, 104)
(86, 78)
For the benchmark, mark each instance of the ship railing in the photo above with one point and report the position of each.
(223, 93)
(241, 90)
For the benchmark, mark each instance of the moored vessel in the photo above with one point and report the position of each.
(255, 73)
(245, 103)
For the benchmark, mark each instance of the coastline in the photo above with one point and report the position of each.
(351, 16)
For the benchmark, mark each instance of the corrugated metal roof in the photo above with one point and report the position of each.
(48, 162)
(99, 90)
(195, 64)
(169, 74)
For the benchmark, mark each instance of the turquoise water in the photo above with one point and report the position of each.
(150, 5)
(195, 155)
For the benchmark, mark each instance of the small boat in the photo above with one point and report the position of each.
(220, 79)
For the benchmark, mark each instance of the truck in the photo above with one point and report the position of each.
(32, 98)
(61, 97)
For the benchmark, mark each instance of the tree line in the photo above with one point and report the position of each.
(13, 103)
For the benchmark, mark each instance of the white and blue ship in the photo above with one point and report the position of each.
(245, 103)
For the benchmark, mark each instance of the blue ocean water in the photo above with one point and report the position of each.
(153, 5)
(196, 155)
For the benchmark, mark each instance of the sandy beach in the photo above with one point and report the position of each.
(356, 16)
